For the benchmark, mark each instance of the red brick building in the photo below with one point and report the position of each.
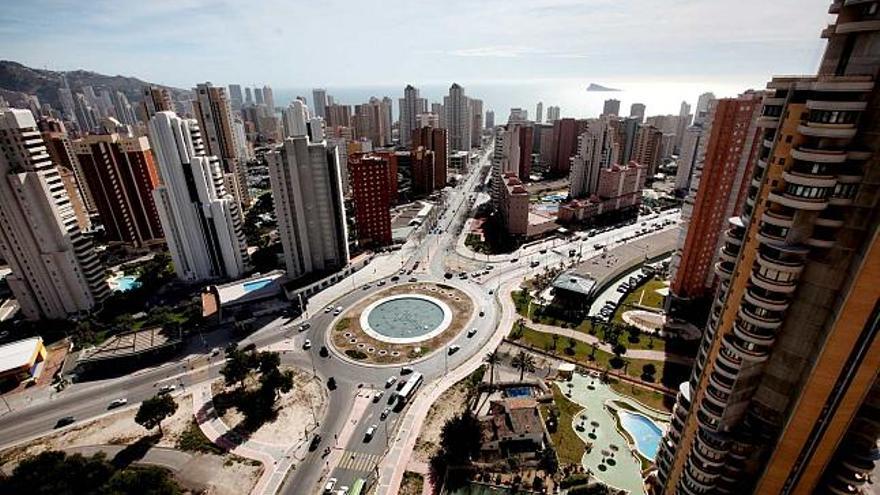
(368, 176)
(436, 140)
(424, 170)
(721, 185)
(120, 175)
(564, 144)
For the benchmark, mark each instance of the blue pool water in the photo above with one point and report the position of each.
(127, 283)
(519, 392)
(256, 284)
(644, 431)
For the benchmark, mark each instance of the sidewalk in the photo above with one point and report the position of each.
(630, 353)
(277, 459)
(396, 461)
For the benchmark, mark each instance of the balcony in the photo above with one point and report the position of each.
(777, 218)
(707, 422)
(728, 253)
(749, 350)
(798, 202)
(724, 269)
(756, 336)
(767, 259)
(765, 299)
(698, 470)
(716, 397)
(818, 156)
(808, 179)
(831, 131)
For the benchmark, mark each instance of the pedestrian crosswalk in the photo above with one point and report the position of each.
(358, 461)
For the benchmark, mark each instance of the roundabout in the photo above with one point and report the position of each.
(401, 324)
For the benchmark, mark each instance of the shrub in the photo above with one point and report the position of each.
(356, 354)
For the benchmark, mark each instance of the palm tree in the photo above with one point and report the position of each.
(492, 359)
(523, 362)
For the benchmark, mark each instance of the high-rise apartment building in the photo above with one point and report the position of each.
(60, 149)
(55, 270)
(539, 113)
(411, 106)
(684, 121)
(236, 99)
(200, 218)
(370, 121)
(438, 110)
(338, 115)
(307, 188)
(637, 110)
(458, 118)
(121, 176)
(702, 110)
(783, 397)
(723, 166)
(553, 114)
(611, 107)
(490, 119)
(648, 147)
(598, 148)
(319, 102)
(269, 99)
(565, 144)
(258, 96)
(690, 143)
(156, 99)
(512, 155)
(368, 175)
(476, 112)
(294, 119)
(214, 113)
(435, 140)
(423, 170)
(513, 205)
(248, 97)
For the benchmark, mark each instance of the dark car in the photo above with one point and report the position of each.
(316, 440)
(66, 420)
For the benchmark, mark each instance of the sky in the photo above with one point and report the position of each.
(294, 43)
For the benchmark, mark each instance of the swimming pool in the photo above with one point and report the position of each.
(256, 284)
(126, 283)
(644, 431)
(519, 392)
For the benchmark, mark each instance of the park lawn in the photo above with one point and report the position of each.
(569, 447)
(521, 300)
(582, 351)
(651, 298)
(649, 398)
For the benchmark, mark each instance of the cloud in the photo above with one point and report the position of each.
(510, 51)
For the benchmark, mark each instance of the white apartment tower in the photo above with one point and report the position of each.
(200, 218)
(598, 148)
(319, 102)
(539, 112)
(411, 106)
(307, 189)
(458, 120)
(55, 272)
(294, 118)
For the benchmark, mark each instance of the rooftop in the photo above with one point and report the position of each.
(19, 354)
(257, 287)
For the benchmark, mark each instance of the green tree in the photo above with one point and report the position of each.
(593, 348)
(492, 359)
(155, 410)
(523, 362)
(648, 372)
(239, 364)
(149, 480)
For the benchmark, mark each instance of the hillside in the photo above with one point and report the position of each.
(45, 83)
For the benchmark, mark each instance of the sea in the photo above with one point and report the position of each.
(660, 97)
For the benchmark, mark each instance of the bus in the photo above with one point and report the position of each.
(409, 390)
(358, 487)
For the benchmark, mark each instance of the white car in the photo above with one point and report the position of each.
(167, 389)
(117, 403)
(342, 491)
(307, 344)
(454, 348)
(370, 432)
(472, 332)
(328, 309)
(331, 483)
(390, 381)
